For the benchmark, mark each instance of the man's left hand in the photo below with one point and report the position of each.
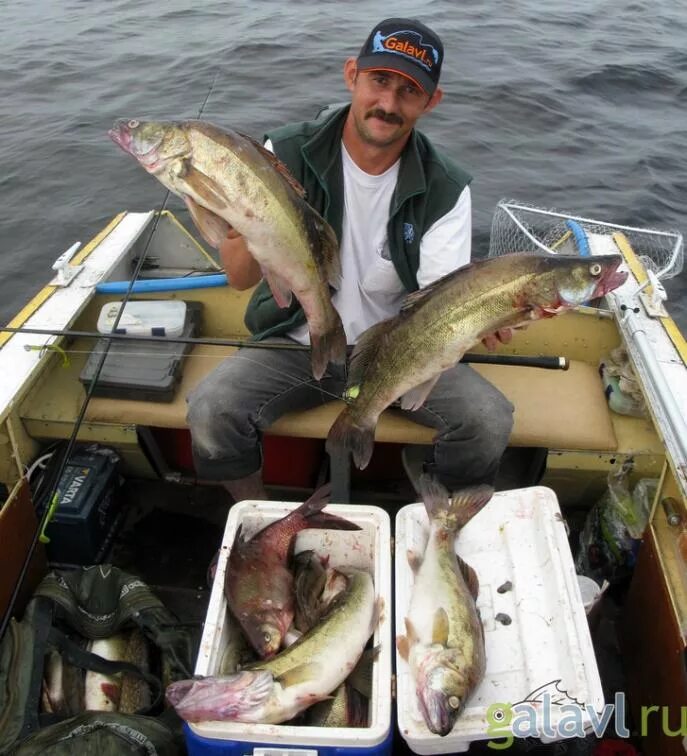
(502, 336)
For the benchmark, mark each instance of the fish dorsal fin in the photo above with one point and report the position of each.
(470, 577)
(325, 246)
(365, 351)
(416, 297)
(440, 627)
(276, 163)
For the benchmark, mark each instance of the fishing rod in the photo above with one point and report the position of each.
(516, 360)
(52, 500)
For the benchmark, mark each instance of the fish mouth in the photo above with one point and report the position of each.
(121, 134)
(121, 137)
(435, 711)
(611, 278)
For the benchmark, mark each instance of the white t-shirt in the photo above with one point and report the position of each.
(370, 288)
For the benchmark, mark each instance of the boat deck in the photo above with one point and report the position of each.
(553, 409)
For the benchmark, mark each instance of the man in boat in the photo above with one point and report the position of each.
(402, 214)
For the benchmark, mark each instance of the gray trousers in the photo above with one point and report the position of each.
(231, 408)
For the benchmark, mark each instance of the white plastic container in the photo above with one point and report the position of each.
(155, 317)
(368, 549)
(518, 537)
(590, 591)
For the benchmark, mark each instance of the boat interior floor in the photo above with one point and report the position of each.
(171, 532)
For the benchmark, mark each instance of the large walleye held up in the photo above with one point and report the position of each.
(405, 355)
(228, 179)
(275, 691)
(444, 641)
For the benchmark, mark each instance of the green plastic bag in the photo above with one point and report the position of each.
(89, 602)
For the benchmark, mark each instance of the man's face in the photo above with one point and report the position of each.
(385, 106)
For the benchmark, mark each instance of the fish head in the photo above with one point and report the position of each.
(559, 282)
(442, 696)
(155, 144)
(587, 278)
(266, 634)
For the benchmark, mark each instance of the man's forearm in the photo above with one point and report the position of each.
(241, 267)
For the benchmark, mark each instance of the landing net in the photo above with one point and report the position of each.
(517, 227)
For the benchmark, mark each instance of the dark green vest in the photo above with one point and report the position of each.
(428, 186)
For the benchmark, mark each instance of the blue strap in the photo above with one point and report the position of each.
(580, 238)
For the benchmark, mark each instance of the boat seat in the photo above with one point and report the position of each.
(553, 408)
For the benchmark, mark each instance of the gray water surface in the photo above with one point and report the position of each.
(581, 110)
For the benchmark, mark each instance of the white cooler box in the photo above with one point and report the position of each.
(518, 537)
(369, 549)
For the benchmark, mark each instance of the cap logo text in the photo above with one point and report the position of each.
(409, 44)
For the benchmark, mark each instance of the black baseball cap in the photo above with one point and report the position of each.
(405, 46)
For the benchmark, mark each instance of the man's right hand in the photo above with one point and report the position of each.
(232, 233)
(242, 269)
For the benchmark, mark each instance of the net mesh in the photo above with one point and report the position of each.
(517, 227)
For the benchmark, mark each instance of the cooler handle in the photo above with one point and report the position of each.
(282, 752)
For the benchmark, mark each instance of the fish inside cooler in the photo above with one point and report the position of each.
(537, 640)
(349, 717)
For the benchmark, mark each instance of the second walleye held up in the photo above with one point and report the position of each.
(405, 355)
(227, 179)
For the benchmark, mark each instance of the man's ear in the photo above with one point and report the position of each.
(434, 100)
(350, 72)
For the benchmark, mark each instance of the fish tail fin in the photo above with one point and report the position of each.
(453, 510)
(348, 436)
(311, 510)
(329, 346)
(225, 698)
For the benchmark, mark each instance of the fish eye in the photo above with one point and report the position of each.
(267, 637)
(133, 124)
(454, 702)
(595, 269)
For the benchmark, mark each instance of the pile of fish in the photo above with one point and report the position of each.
(444, 640)
(68, 690)
(307, 623)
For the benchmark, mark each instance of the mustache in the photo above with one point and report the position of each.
(384, 116)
